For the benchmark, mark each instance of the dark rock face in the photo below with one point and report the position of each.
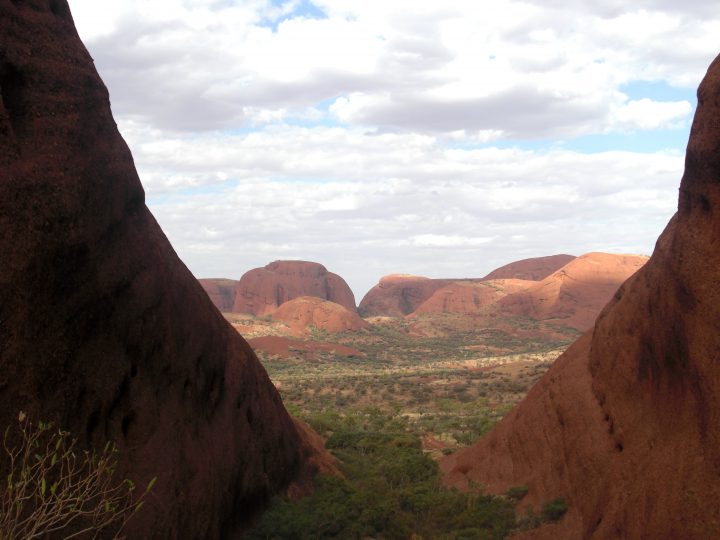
(534, 269)
(102, 328)
(221, 292)
(624, 425)
(262, 290)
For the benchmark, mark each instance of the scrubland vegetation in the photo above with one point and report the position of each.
(388, 417)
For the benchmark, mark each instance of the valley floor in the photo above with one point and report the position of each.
(390, 403)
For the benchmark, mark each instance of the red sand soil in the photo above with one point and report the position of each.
(103, 330)
(262, 290)
(306, 312)
(624, 425)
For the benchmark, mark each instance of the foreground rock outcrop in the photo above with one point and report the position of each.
(262, 290)
(103, 330)
(624, 426)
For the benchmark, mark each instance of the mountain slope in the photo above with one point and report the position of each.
(103, 330)
(624, 425)
(262, 290)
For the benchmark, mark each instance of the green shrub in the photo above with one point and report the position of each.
(555, 509)
(517, 493)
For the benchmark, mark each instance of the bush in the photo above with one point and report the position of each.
(555, 509)
(51, 487)
(517, 493)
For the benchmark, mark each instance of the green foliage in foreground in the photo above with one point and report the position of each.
(391, 490)
(52, 489)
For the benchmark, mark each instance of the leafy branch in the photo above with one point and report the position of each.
(53, 488)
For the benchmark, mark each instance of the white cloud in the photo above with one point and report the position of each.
(647, 114)
(367, 204)
(360, 139)
(523, 70)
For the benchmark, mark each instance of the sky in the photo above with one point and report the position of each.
(441, 138)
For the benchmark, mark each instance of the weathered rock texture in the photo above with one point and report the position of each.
(262, 290)
(221, 292)
(308, 312)
(102, 328)
(533, 269)
(574, 295)
(625, 423)
(397, 295)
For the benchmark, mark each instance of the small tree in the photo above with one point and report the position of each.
(52, 488)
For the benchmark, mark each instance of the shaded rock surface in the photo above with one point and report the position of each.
(624, 425)
(306, 313)
(534, 269)
(221, 292)
(103, 330)
(398, 295)
(262, 290)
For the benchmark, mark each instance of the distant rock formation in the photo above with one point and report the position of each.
(575, 294)
(470, 297)
(262, 290)
(398, 295)
(624, 425)
(534, 269)
(221, 292)
(103, 330)
(308, 312)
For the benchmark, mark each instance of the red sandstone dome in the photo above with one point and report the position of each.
(624, 426)
(262, 290)
(308, 312)
(575, 294)
(103, 330)
(397, 295)
(534, 269)
(470, 297)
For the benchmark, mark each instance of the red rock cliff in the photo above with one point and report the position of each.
(625, 423)
(262, 290)
(102, 328)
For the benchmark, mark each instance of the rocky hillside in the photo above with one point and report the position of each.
(534, 269)
(575, 294)
(262, 290)
(397, 295)
(470, 297)
(103, 330)
(306, 313)
(624, 425)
